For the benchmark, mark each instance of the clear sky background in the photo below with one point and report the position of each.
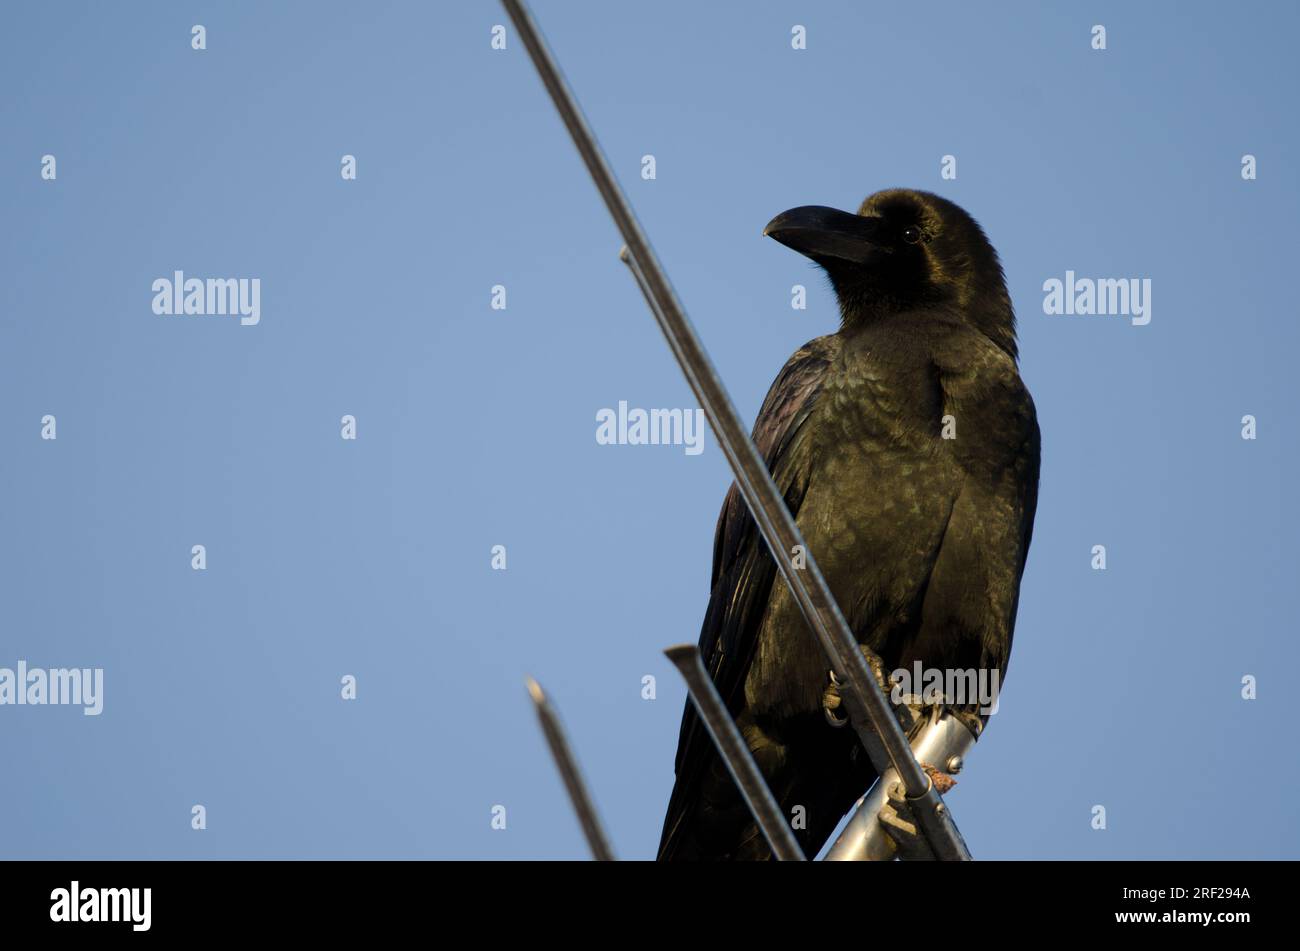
(476, 427)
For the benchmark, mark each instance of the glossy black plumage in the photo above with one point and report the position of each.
(922, 538)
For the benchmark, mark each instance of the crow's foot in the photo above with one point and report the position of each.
(832, 701)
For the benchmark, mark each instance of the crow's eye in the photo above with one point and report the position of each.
(914, 235)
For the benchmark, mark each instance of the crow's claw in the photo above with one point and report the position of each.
(831, 699)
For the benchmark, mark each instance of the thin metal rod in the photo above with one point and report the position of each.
(572, 776)
(731, 745)
(868, 709)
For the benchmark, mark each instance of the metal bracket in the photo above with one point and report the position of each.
(886, 823)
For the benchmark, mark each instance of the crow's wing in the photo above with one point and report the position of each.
(743, 569)
(972, 591)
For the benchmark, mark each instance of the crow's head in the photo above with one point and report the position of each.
(904, 250)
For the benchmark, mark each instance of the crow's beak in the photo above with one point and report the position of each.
(821, 233)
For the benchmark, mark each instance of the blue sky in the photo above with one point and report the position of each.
(476, 427)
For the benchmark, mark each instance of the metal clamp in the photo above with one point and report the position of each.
(886, 823)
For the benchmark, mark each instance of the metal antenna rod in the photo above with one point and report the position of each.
(731, 745)
(868, 709)
(572, 776)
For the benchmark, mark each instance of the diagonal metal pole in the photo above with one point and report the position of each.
(868, 709)
(731, 745)
(572, 776)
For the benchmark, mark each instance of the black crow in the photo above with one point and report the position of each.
(907, 449)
